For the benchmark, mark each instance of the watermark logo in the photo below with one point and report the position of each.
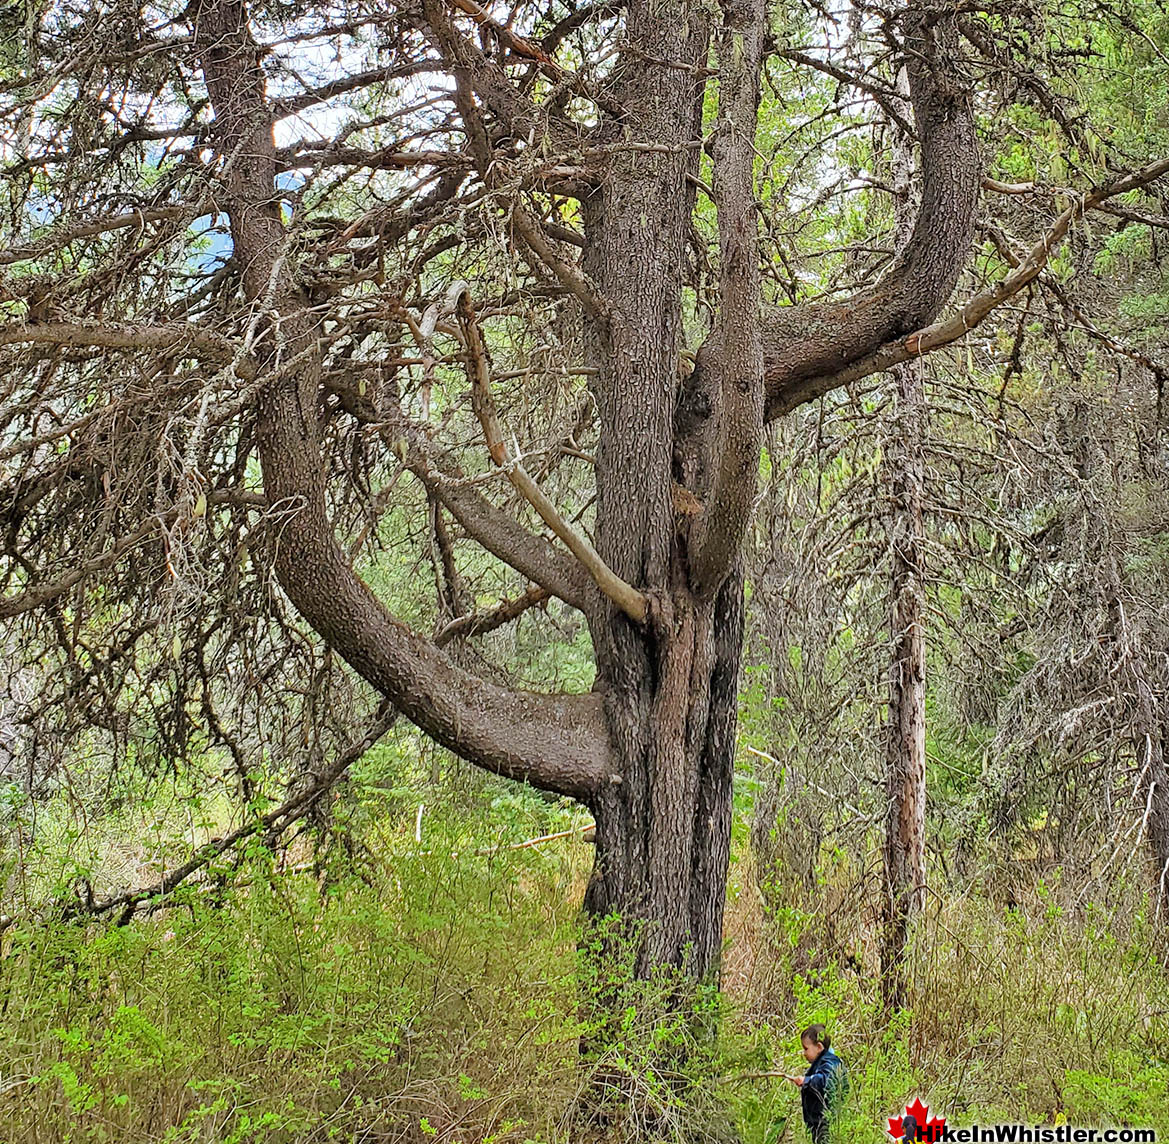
(917, 1124)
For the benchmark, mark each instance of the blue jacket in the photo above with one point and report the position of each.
(825, 1085)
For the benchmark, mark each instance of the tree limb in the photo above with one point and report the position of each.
(500, 534)
(274, 822)
(477, 623)
(731, 362)
(37, 595)
(884, 95)
(571, 277)
(803, 342)
(976, 309)
(178, 338)
(557, 742)
(632, 602)
(348, 83)
(58, 238)
(474, 71)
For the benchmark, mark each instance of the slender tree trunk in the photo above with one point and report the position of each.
(1150, 726)
(1157, 784)
(904, 853)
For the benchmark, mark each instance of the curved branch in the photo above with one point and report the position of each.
(804, 342)
(557, 742)
(975, 310)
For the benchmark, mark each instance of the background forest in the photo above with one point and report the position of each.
(243, 900)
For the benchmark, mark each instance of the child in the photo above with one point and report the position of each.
(823, 1086)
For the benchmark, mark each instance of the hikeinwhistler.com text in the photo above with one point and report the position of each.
(1040, 1134)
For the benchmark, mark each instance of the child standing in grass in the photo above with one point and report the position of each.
(823, 1086)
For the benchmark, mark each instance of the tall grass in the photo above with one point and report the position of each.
(435, 995)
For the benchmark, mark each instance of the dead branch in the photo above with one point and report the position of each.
(632, 602)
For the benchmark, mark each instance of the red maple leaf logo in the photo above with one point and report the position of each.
(920, 1115)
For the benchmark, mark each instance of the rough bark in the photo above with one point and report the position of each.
(1159, 811)
(651, 751)
(904, 849)
(555, 742)
(663, 835)
(805, 347)
(1151, 756)
(636, 225)
(730, 366)
(904, 843)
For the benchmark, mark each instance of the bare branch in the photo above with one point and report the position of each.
(884, 95)
(524, 48)
(989, 184)
(570, 275)
(476, 72)
(274, 822)
(56, 239)
(175, 339)
(632, 602)
(479, 623)
(346, 84)
(500, 534)
(40, 594)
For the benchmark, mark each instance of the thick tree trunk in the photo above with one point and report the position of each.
(652, 750)
(663, 836)
(904, 852)
(670, 686)
(655, 679)
(660, 778)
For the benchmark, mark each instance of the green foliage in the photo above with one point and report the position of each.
(438, 983)
(446, 994)
(1125, 1088)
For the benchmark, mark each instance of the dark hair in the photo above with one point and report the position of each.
(817, 1034)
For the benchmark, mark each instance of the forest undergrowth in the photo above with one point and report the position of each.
(423, 983)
